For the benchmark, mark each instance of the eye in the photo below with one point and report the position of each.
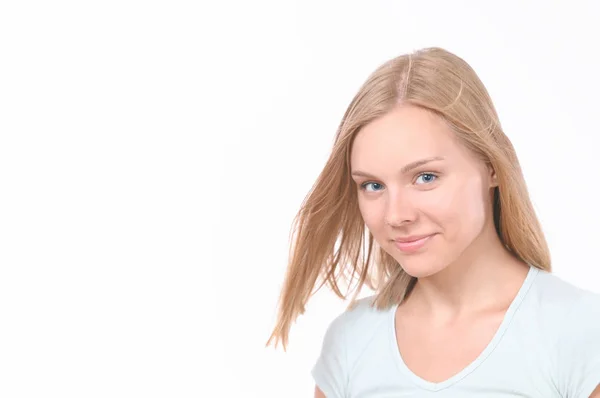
(426, 178)
(371, 186)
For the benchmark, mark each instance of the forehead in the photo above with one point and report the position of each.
(405, 134)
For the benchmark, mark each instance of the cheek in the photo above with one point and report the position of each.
(459, 210)
(371, 216)
(473, 205)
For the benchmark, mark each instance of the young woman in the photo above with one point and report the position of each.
(423, 201)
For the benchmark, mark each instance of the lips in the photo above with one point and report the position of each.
(412, 238)
(411, 244)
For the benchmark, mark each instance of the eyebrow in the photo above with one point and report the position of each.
(409, 167)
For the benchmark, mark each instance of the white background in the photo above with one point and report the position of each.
(153, 156)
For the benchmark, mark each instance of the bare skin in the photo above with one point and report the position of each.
(319, 393)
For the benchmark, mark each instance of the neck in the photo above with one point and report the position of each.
(486, 277)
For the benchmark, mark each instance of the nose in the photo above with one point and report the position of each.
(400, 209)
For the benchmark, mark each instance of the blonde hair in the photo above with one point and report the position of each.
(330, 239)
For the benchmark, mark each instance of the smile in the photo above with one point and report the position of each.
(412, 245)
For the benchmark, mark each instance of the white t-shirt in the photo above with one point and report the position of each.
(548, 345)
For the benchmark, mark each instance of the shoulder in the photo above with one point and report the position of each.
(555, 290)
(557, 302)
(559, 293)
(356, 319)
(346, 336)
(578, 348)
(357, 326)
(555, 310)
(584, 316)
(571, 316)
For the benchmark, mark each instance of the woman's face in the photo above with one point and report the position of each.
(423, 195)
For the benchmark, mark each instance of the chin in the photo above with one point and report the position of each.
(419, 272)
(420, 266)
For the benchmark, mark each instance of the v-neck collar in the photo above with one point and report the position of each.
(427, 385)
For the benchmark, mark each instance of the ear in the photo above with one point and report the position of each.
(493, 176)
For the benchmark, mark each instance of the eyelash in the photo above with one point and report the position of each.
(364, 185)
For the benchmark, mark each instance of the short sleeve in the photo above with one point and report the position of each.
(578, 350)
(330, 372)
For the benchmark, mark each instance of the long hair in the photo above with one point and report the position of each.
(331, 244)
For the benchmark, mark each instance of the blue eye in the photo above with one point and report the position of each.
(376, 187)
(426, 178)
